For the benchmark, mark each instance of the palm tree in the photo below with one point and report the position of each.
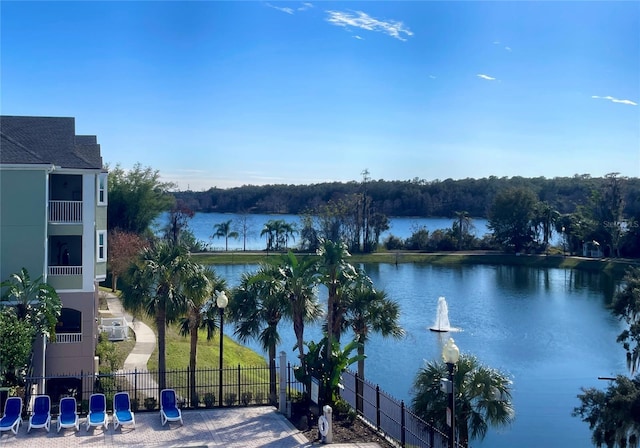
(546, 217)
(370, 310)
(223, 230)
(483, 397)
(35, 301)
(463, 221)
(335, 272)
(155, 285)
(270, 230)
(287, 230)
(298, 283)
(200, 286)
(35, 307)
(257, 307)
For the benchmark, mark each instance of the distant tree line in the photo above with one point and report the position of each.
(417, 197)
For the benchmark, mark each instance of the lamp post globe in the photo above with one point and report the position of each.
(451, 356)
(221, 301)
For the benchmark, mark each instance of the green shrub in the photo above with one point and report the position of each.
(150, 403)
(230, 399)
(259, 398)
(209, 400)
(246, 398)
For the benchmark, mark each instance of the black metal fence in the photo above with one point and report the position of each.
(388, 415)
(240, 386)
(243, 386)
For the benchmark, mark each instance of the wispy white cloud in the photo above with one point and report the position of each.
(432, 77)
(305, 6)
(497, 42)
(615, 100)
(280, 8)
(359, 19)
(487, 77)
(357, 37)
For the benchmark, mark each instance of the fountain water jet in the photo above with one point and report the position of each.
(442, 317)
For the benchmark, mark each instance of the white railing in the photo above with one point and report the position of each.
(65, 270)
(115, 327)
(68, 338)
(65, 211)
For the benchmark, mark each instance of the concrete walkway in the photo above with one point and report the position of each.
(145, 342)
(246, 427)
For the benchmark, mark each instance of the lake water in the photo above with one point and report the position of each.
(202, 226)
(549, 329)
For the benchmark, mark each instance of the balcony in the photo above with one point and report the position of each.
(65, 270)
(68, 338)
(65, 212)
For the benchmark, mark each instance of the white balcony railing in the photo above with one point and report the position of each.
(115, 327)
(65, 270)
(65, 211)
(68, 338)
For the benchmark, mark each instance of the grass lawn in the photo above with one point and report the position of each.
(208, 352)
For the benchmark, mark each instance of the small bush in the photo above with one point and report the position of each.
(343, 411)
(209, 400)
(246, 398)
(230, 399)
(259, 398)
(150, 403)
(135, 404)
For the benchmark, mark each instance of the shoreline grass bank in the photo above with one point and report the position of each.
(444, 258)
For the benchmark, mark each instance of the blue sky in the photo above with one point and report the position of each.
(224, 94)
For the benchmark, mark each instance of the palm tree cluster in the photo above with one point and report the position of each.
(278, 232)
(166, 283)
(286, 288)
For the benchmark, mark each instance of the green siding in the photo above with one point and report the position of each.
(23, 201)
(65, 282)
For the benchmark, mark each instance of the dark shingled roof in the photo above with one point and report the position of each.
(47, 140)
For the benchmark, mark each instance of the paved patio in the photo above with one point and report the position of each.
(243, 427)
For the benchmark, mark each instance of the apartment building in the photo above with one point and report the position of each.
(53, 222)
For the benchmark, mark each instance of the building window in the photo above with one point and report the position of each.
(102, 189)
(101, 245)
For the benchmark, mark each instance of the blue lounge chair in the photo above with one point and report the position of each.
(122, 414)
(41, 416)
(68, 417)
(12, 418)
(97, 411)
(169, 411)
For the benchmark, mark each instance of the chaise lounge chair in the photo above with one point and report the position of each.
(122, 414)
(41, 416)
(68, 417)
(169, 411)
(97, 411)
(12, 418)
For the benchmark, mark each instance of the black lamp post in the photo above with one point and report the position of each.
(221, 302)
(451, 355)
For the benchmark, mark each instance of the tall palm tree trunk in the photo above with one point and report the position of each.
(193, 359)
(273, 388)
(162, 355)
